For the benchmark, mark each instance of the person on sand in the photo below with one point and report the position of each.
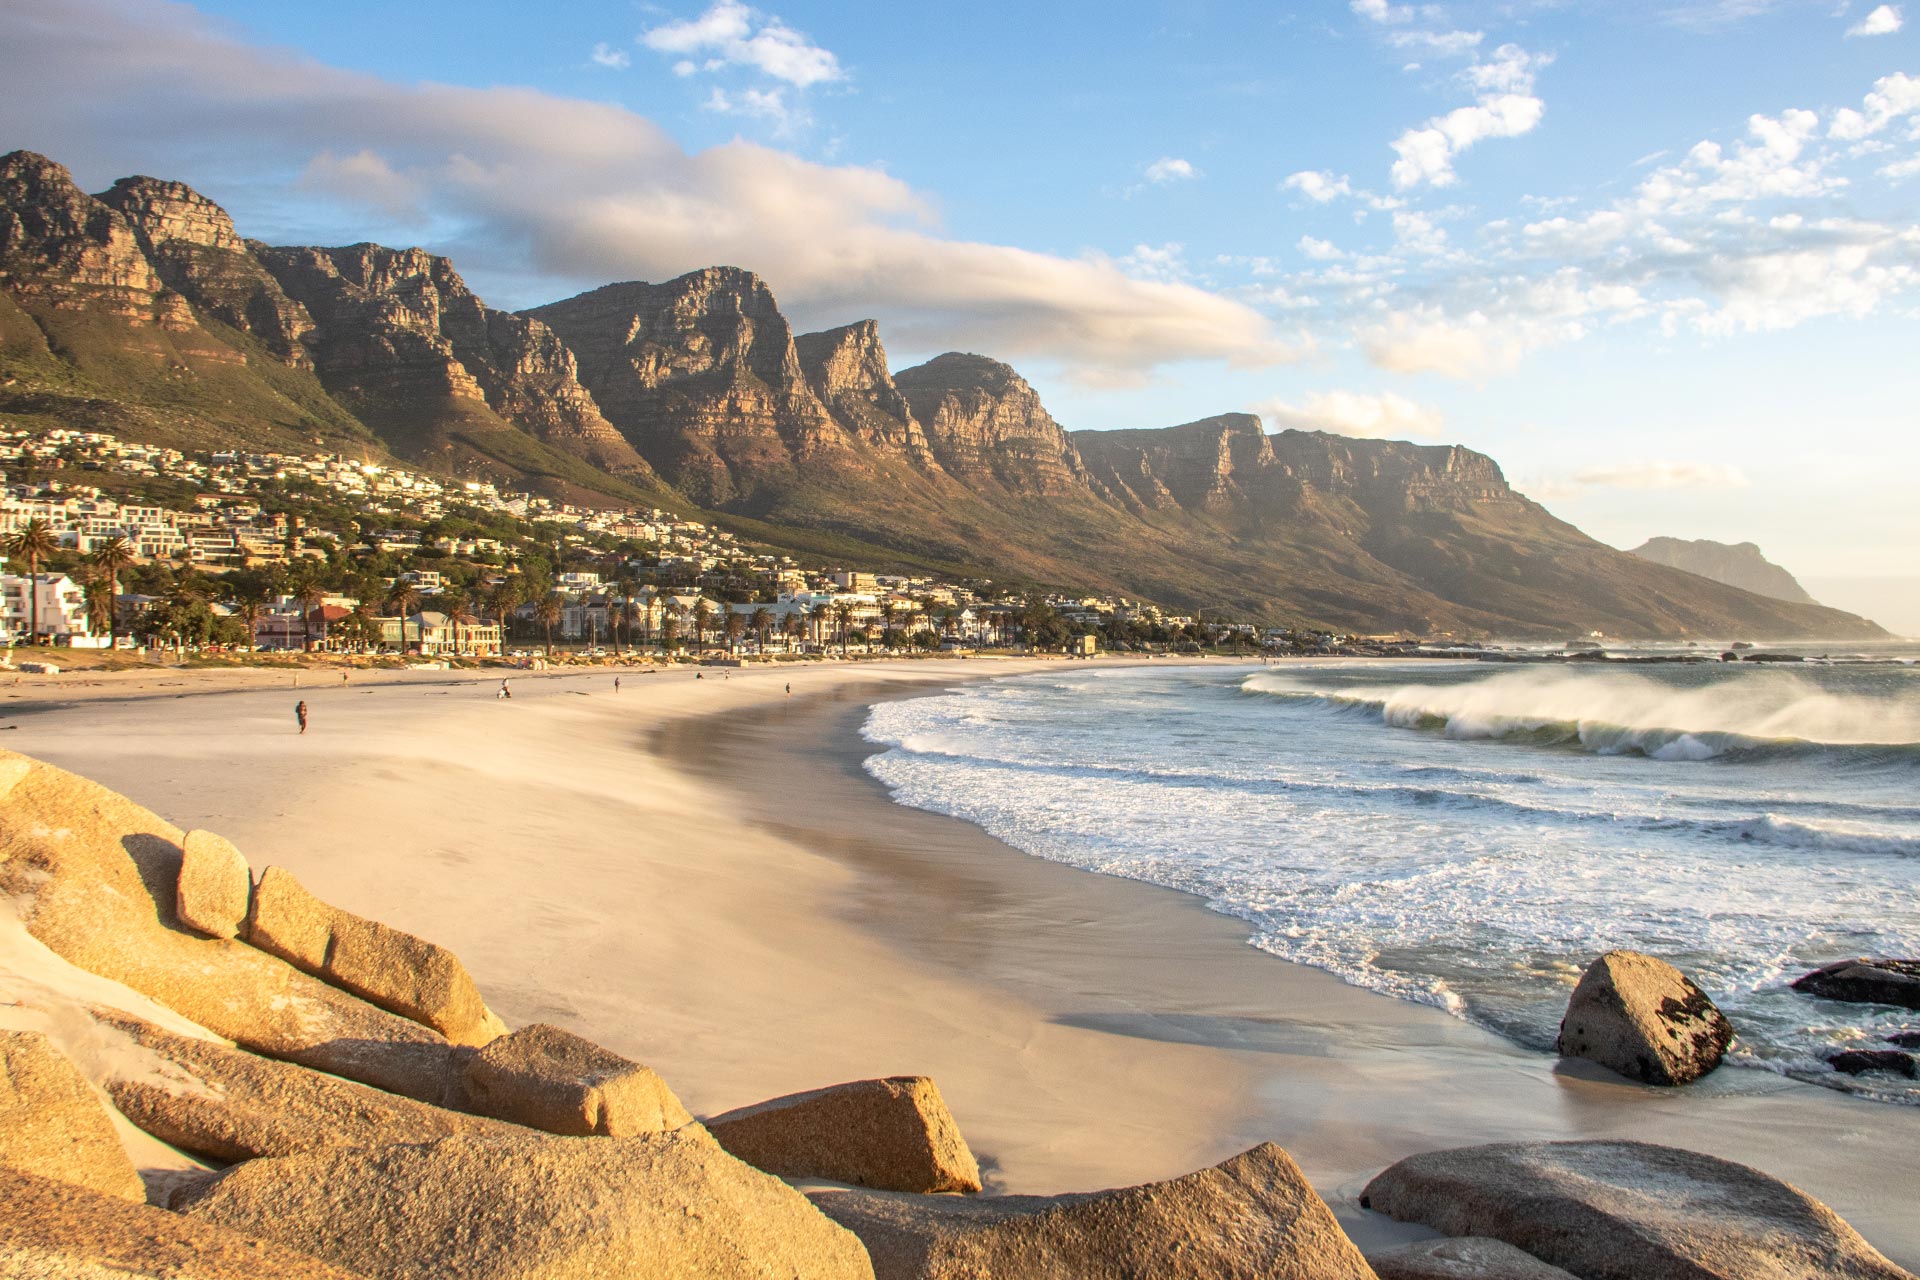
(505, 692)
(699, 675)
(343, 679)
(300, 714)
(616, 684)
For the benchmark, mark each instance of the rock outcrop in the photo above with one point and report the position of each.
(56, 1231)
(1737, 564)
(847, 370)
(52, 1124)
(400, 336)
(546, 1078)
(1640, 1016)
(1864, 981)
(1251, 1216)
(1629, 1211)
(231, 1105)
(987, 428)
(894, 1134)
(659, 1207)
(215, 889)
(409, 976)
(193, 247)
(701, 374)
(96, 877)
(68, 251)
(1462, 1258)
(1860, 1061)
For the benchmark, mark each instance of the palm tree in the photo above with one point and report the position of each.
(367, 622)
(887, 612)
(669, 631)
(548, 612)
(794, 627)
(454, 605)
(31, 541)
(736, 625)
(502, 599)
(843, 616)
(403, 600)
(110, 558)
(310, 596)
(99, 598)
(702, 614)
(762, 622)
(248, 609)
(629, 587)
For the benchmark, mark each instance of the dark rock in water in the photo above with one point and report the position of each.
(1640, 1016)
(1855, 1061)
(1629, 1211)
(1905, 1039)
(1864, 981)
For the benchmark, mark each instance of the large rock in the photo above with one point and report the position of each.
(1251, 1216)
(215, 887)
(546, 1078)
(1629, 1211)
(232, 1105)
(96, 877)
(1863, 981)
(1463, 1258)
(894, 1135)
(1640, 1016)
(57, 1231)
(384, 966)
(666, 1206)
(53, 1124)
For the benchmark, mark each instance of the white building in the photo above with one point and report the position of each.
(63, 607)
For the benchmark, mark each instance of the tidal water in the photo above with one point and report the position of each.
(1470, 835)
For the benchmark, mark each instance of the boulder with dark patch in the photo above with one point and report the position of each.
(1856, 1061)
(1253, 1216)
(1865, 981)
(1638, 1015)
(1629, 1211)
(894, 1134)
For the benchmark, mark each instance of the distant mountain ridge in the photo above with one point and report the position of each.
(144, 312)
(1737, 564)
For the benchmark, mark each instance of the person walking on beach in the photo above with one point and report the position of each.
(616, 684)
(300, 714)
(343, 679)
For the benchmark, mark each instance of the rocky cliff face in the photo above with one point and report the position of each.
(700, 373)
(1198, 466)
(1737, 564)
(195, 250)
(987, 428)
(398, 331)
(62, 249)
(847, 370)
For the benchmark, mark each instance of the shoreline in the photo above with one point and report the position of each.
(699, 875)
(1141, 963)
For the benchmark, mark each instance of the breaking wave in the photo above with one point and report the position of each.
(1614, 713)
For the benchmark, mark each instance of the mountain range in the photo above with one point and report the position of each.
(1738, 564)
(142, 311)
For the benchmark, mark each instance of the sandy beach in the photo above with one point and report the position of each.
(698, 874)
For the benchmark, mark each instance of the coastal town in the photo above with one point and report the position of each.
(115, 543)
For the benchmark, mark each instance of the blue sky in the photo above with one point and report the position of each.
(1662, 260)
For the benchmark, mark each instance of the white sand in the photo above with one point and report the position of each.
(787, 929)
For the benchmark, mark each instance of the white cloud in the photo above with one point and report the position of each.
(1381, 11)
(1444, 44)
(1892, 98)
(730, 34)
(554, 194)
(606, 55)
(1883, 21)
(1320, 250)
(1506, 108)
(1318, 185)
(1165, 262)
(1661, 474)
(1171, 169)
(1386, 415)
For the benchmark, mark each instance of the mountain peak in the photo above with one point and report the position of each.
(1737, 564)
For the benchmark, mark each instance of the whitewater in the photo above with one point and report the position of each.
(1469, 835)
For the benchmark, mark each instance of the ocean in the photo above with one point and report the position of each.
(1470, 835)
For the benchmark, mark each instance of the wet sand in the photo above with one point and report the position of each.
(698, 874)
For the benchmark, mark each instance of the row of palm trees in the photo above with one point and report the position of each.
(35, 540)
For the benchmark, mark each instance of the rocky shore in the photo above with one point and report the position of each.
(353, 1107)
